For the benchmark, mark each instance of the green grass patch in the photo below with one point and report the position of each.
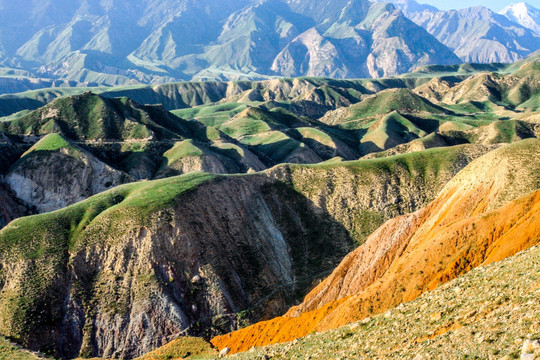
(213, 114)
(239, 127)
(182, 348)
(275, 144)
(181, 150)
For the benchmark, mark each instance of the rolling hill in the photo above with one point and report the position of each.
(256, 212)
(144, 246)
(241, 127)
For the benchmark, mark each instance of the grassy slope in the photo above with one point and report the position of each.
(49, 143)
(486, 313)
(45, 240)
(402, 100)
(92, 117)
(9, 351)
(182, 348)
(213, 114)
(181, 150)
(138, 200)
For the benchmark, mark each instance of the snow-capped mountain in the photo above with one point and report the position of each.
(524, 14)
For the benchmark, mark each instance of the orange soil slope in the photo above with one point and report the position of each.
(486, 213)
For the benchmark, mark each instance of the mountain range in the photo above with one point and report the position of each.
(478, 34)
(91, 42)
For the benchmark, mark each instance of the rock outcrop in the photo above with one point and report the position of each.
(10, 206)
(54, 174)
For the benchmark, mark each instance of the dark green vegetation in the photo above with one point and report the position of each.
(10, 351)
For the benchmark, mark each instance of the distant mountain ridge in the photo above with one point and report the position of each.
(112, 43)
(477, 34)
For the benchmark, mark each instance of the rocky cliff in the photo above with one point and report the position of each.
(53, 174)
(11, 207)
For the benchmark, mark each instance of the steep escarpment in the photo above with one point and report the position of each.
(54, 173)
(488, 212)
(130, 269)
(11, 207)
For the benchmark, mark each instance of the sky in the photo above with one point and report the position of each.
(495, 5)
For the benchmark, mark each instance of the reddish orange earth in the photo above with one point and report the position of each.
(406, 257)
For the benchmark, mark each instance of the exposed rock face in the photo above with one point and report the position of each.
(219, 158)
(357, 40)
(50, 180)
(319, 57)
(10, 206)
(140, 290)
(129, 270)
(498, 217)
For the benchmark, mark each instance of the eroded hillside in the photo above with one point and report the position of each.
(487, 212)
(489, 312)
(262, 243)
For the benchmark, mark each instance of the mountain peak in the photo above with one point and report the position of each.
(524, 14)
